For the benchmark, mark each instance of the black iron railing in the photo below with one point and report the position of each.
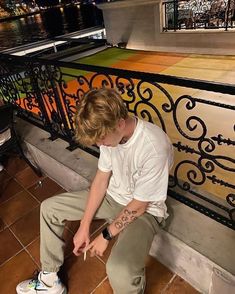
(199, 122)
(198, 14)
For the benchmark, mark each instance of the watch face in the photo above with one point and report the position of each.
(106, 234)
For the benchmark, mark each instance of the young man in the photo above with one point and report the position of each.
(129, 190)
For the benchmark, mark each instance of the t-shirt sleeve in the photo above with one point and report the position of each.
(152, 183)
(104, 162)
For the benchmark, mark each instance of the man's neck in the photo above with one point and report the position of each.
(129, 129)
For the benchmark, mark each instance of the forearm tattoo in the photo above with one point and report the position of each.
(125, 218)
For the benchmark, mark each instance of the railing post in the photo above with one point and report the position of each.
(59, 105)
(41, 104)
(165, 27)
(227, 15)
(175, 15)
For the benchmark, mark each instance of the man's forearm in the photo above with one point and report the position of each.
(129, 214)
(96, 195)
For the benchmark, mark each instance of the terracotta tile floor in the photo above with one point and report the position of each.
(20, 198)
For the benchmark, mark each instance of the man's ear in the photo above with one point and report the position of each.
(121, 123)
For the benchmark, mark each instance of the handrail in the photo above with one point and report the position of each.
(160, 78)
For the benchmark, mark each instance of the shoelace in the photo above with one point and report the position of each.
(36, 283)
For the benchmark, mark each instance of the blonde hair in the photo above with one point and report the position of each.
(98, 114)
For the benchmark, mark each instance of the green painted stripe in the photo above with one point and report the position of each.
(107, 58)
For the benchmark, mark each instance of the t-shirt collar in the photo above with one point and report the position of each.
(133, 136)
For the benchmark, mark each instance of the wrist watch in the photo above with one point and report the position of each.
(106, 234)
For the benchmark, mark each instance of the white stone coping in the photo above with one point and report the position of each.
(126, 3)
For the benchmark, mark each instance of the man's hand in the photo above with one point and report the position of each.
(81, 240)
(98, 246)
(96, 195)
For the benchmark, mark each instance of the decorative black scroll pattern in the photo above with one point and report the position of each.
(141, 98)
(29, 100)
(8, 90)
(137, 95)
(18, 88)
(219, 139)
(49, 77)
(34, 88)
(48, 94)
(194, 129)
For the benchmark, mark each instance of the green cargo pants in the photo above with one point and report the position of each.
(126, 264)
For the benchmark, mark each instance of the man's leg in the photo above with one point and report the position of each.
(126, 263)
(54, 212)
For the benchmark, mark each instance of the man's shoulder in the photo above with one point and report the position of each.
(153, 130)
(155, 141)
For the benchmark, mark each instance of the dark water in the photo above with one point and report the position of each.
(47, 24)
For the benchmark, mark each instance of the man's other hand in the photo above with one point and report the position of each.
(98, 246)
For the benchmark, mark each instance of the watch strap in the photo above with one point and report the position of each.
(106, 234)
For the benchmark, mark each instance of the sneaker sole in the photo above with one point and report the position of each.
(64, 292)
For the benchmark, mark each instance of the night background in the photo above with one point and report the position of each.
(23, 22)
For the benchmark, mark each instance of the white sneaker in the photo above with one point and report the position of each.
(1, 167)
(36, 286)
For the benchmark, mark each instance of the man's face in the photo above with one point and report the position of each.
(114, 138)
(110, 140)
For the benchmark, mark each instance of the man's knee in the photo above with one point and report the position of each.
(123, 278)
(47, 205)
(117, 270)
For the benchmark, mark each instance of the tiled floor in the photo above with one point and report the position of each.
(20, 196)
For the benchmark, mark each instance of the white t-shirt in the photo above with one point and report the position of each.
(140, 168)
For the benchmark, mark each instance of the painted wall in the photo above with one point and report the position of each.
(139, 24)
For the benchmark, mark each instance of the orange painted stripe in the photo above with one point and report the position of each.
(153, 62)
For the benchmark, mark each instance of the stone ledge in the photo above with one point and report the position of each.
(199, 271)
(72, 170)
(126, 4)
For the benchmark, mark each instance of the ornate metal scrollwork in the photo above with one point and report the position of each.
(192, 123)
(194, 176)
(48, 94)
(146, 108)
(221, 140)
(126, 87)
(194, 129)
(101, 81)
(217, 159)
(231, 199)
(8, 90)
